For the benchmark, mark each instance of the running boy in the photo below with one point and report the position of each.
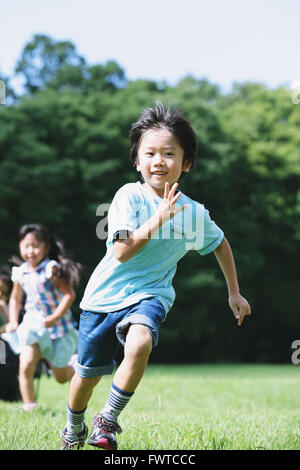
(150, 227)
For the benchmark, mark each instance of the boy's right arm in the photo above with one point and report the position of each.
(14, 306)
(126, 248)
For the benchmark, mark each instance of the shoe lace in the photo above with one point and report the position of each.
(70, 444)
(73, 445)
(107, 425)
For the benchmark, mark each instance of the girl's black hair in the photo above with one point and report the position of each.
(171, 119)
(67, 270)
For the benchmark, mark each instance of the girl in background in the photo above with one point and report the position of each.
(47, 330)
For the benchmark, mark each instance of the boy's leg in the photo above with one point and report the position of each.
(138, 332)
(96, 349)
(81, 390)
(75, 432)
(137, 350)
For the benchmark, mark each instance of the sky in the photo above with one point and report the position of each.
(224, 41)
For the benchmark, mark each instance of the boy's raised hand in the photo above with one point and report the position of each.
(167, 208)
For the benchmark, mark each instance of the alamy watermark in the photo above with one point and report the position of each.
(187, 224)
(2, 352)
(2, 92)
(296, 354)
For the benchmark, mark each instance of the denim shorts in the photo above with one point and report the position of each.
(101, 333)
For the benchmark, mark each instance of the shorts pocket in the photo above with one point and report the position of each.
(86, 315)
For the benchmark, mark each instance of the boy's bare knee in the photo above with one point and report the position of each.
(138, 341)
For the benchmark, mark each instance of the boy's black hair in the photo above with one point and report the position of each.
(67, 269)
(171, 119)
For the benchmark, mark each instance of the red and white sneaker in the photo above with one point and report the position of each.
(103, 433)
(73, 441)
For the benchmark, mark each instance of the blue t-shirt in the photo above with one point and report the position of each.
(149, 273)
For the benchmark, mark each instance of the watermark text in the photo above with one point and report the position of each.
(2, 352)
(187, 225)
(296, 354)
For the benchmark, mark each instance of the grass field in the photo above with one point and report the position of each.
(183, 407)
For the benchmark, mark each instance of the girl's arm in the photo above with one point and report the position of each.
(63, 306)
(238, 304)
(14, 306)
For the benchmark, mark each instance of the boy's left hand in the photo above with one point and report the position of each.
(240, 307)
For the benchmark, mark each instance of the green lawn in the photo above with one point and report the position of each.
(177, 407)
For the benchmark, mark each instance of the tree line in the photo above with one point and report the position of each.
(64, 150)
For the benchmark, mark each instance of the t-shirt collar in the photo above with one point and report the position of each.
(148, 191)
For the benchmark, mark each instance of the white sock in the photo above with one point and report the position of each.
(116, 402)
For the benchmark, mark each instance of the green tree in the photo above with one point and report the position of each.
(42, 57)
(64, 150)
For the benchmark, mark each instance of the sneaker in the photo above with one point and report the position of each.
(72, 440)
(103, 432)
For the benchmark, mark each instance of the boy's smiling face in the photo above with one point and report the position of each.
(160, 160)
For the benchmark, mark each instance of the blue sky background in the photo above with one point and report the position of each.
(221, 40)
